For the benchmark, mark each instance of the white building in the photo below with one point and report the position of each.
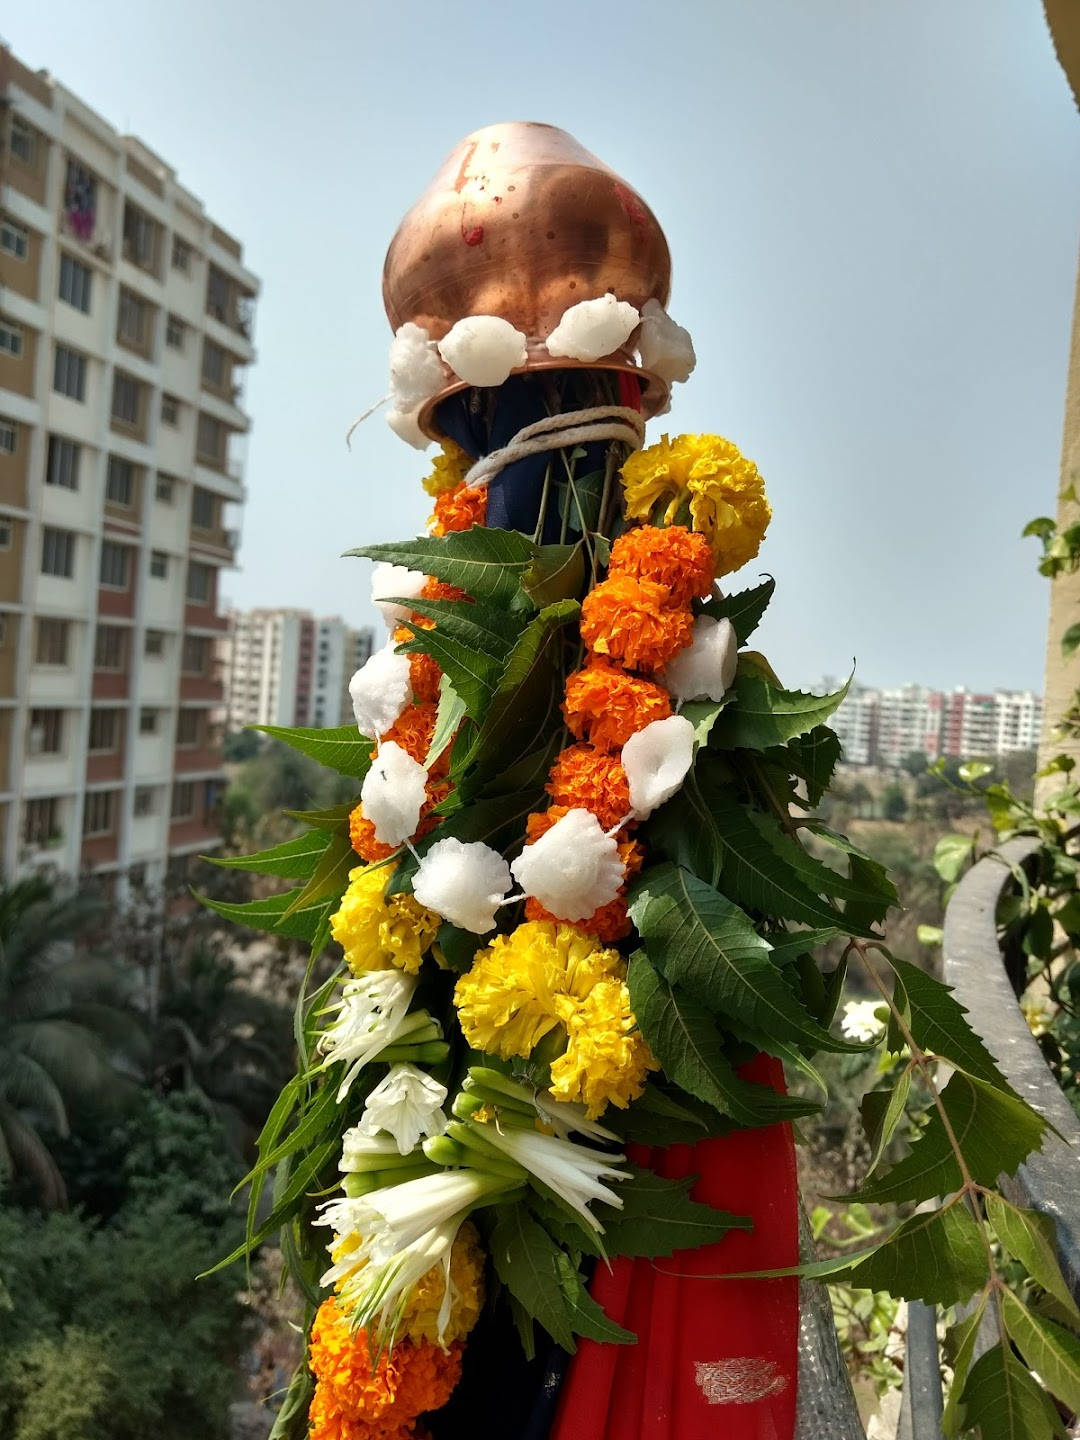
(285, 667)
(125, 329)
(882, 727)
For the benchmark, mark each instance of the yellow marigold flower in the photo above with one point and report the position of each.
(606, 1059)
(709, 475)
(420, 1318)
(448, 469)
(376, 932)
(509, 1000)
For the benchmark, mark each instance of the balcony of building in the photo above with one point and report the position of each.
(230, 302)
(111, 677)
(201, 672)
(12, 546)
(193, 823)
(18, 354)
(136, 322)
(14, 454)
(25, 148)
(129, 409)
(20, 255)
(106, 747)
(117, 578)
(143, 240)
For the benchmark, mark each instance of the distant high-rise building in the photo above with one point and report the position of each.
(125, 332)
(882, 727)
(285, 667)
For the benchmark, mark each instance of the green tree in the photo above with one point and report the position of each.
(915, 763)
(894, 803)
(69, 1041)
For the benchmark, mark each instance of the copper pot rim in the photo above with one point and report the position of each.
(655, 395)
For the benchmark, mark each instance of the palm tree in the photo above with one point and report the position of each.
(69, 1042)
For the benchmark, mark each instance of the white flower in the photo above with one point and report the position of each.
(1038, 1013)
(377, 1292)
(406, 426)
(387, 580)
(465, 883)
(567, 1118)
(379, 691)
(573, 868)
(359, 1148)
(860, 1020)
(371, 1013)
(393, 793)
(483, 349)
(656, 760)
(706, 667)
(572, 1171)
(665, 348)
(398, 1215)
(406, 1104)
(593, 328)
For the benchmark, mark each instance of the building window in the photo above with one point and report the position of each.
(144, 801)
(14, 240)
(148, 721)
(203, 508)
(187, 728)
(170, 410)
(181, 255)
(120, 482)
(104, 730)
(131, 320)
(164, 489)
(183, 800)
(75, 280)
(3, 629)
(6, 533)
(51, 643)
(62, 463)
(57, 552)
(115, 565)
(99, 812)
(80, 200)
(196, 655)
(159, 565)
(140, 237)
(23, 141)
(174, 332)
(200, 583)
(9, 437)
(155, 644)
(211, 438)
(125, 399)
(41, 824)
(213, 364)
(110, 647)
(46, 732)
(11, 339)
(69, 373)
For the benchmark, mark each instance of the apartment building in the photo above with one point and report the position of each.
(883, 726)
(125, 331)
(285, 667)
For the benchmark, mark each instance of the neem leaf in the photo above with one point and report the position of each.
(995, 1132)
(1030, 1237)
(812, 757)
(342, 749)
(659, 1118)
(472, 673)
(556, 573)
(1004, 1401)
(1048, 1348)
(330, 876)
(882, 1111)
(939, 1024)
(292, 859)
(486, 628)
(269, 914)
(486, 563)
(698, 939)
(658, 1217)
(744, 610)
(960, 1343)
(951, 854)
(764, 714)
(684, 1038)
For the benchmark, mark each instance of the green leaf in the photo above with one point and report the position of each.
(867, 888)
(764, 714)
(960, 1343)
(472, 673)
(697, 938)
(557, 573)
(293, 859)
(951, 854)
(1048, 1348)
(450, 714)
(458, 947)
(1070, 641)
(269, 914)
(974, 770)
(482, 627)
(939, 1024)
(535, 1271)
(330, 877)
(659, 1118)
(929, 935)
(812, 757)
(937, 1257)
(336, 818)
(342, 749)
(486, 564)
(1003, 1401)
(702, 716)
(744, 609)
(658, 1217)
(1030, 1238)
(287, 1201)
(882, 1111)
(586, 1316)
(788, 946)
(683, 1037)
(995, 1133)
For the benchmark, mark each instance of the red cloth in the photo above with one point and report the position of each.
(716, 1359)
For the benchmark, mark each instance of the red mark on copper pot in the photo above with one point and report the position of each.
(472, 234)
(463, 168)
(635, 210)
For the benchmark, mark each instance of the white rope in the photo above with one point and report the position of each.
(556, 432)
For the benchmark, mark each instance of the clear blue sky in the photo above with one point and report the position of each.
(873, 210)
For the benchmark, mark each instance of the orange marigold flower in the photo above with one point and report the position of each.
(459, 509)
(674, 556)
(605, 705)
(634, 621)
(440, 590)
(354, 1400)
(362, 831)
(608, 924)
(424, 675)
(413, 730)
(584, 778)
(541, 821)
